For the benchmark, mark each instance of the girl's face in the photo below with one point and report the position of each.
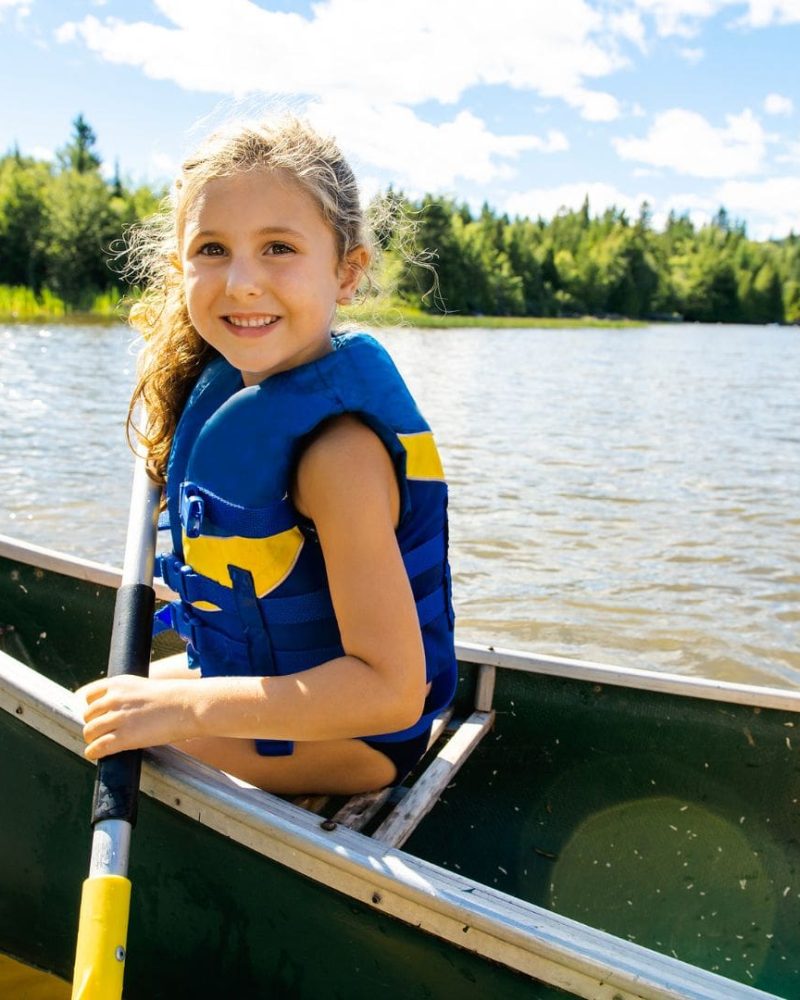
(261, 273)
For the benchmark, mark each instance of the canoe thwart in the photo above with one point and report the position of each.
(360, 809)
(402, 822)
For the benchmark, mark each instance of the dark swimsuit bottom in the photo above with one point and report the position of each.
(404, 754)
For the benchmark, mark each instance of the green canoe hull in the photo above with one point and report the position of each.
(666, 817)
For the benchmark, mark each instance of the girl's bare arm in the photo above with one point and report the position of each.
(347, 486)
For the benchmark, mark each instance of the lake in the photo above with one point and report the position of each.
(628, 495)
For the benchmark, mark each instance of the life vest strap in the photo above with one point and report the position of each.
(200, 508)
(300, 609)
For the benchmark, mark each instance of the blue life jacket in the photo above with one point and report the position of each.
(247, 566)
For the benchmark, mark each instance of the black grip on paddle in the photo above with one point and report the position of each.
(116, 787)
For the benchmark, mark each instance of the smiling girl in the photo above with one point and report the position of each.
(306, 498)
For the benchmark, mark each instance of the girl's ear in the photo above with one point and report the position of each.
(351, 271)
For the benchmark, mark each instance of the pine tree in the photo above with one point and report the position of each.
(79, 154)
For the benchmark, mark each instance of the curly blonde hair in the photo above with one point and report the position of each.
(174, 354)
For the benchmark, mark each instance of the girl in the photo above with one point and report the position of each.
(306, 499)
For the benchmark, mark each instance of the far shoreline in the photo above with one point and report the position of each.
(378, 318)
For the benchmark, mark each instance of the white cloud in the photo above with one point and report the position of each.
(628, 24)
(424, 156)
(771, 206)
(66, 32)
(687, 143)
(762, 13)
(699, 208)
(238, 47)
(691, 54)
(777, 104)
(594, 105)
(684, 17)
(547, 202)
(433, 52)
(791, 155)
(680, 17)
(42, 153)
(21, 8)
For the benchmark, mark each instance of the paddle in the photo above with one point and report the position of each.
(105, 899)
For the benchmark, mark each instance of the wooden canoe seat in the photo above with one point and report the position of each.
(408, 805)
(424, 793)
(358, 816)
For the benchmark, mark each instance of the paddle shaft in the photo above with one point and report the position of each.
(105, 901)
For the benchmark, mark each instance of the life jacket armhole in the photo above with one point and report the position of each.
(388, 439)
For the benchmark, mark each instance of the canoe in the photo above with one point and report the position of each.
(576, 830)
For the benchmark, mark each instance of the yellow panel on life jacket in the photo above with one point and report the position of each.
(270, 560)
(423, 460)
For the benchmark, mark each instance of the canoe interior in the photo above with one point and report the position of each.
(666, 820)
(209, 917)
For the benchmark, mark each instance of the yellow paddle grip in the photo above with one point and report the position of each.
(102, 937)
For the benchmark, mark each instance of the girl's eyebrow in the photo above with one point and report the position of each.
(264, 231)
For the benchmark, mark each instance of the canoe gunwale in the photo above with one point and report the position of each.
(546, 946)
(708, 688)
(72, 566)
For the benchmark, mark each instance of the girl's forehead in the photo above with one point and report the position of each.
(258, 196)
(255, 191)
(250, 205)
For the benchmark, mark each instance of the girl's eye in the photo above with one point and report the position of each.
(278, 249)
(211, 250)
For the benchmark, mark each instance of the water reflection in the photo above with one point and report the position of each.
(627, 496)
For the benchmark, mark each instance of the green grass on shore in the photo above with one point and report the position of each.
(403, 315)
(21, 305)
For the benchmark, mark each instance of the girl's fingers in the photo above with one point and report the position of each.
(95, 709)
(98, 725)
(93, 690)
(102, 747)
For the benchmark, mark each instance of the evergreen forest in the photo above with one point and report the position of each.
(60, 221)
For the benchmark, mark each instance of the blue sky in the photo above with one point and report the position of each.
(526, 104)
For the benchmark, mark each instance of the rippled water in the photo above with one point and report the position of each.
(629, 496)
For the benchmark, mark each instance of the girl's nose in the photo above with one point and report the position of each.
(243, 280)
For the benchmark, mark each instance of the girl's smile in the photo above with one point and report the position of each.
(251, 326)
(261, 272)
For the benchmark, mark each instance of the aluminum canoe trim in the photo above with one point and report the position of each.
(73, 566)
(556, 950)
(787, 699)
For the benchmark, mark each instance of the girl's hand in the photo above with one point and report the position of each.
(129, 712)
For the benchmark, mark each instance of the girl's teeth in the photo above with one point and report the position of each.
(262, 321)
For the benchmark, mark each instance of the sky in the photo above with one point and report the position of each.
(529, 105)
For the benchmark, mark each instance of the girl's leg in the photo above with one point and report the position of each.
(335, 767)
